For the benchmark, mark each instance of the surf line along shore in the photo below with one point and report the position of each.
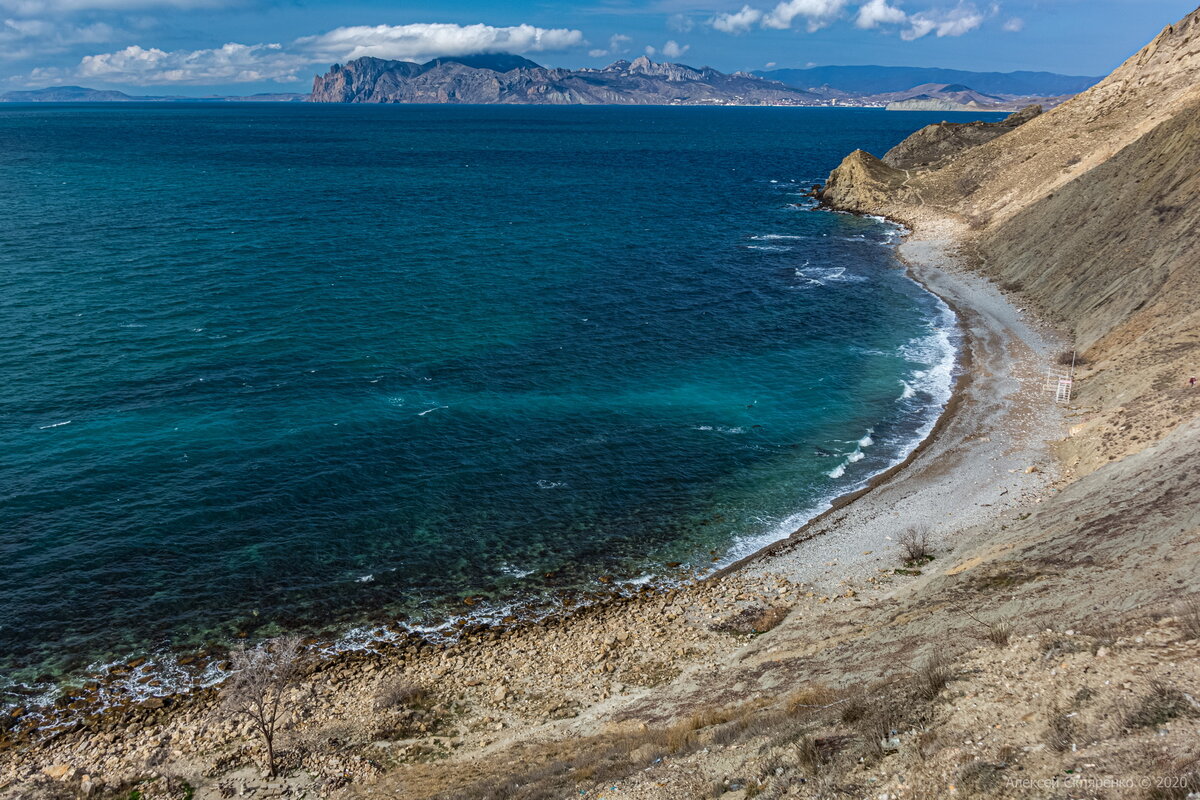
(981, 453)
(647, 654)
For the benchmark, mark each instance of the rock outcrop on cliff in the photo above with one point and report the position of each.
(933, 145)
(1090, 210)
(512, 79)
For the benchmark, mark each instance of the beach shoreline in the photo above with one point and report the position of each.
(658, 640)
(166, 668)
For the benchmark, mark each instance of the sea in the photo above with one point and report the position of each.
(271, 368)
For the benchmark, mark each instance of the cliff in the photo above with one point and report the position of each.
(512, 79)
(934, 144)
(927, 103)
(1089, 210)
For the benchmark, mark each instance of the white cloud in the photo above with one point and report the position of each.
(1014, 25)
(818, 13)
(423, 41)
(672, 49)
(21, 38)
(737, 21)
(878, 12)
(41, 8)
(230, 63)
(962, 19)
(617, 44)
(245, 63)
(650, 51)
(681, 23)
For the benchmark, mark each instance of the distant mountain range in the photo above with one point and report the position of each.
(80, 94)
(505, 78)
(513, 79)
(871, 80)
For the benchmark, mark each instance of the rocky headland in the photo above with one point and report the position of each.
(513, 79)
(1011, 614)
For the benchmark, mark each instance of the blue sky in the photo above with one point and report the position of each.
(243, 46)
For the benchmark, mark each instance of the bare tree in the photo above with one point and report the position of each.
(914, 545)
(261, 676)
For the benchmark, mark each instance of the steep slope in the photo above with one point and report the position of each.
(1088, 209)
(934, 144)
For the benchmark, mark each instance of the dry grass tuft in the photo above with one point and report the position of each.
(1053, 646)
(1060, 731)
(1160, 704)
(1189, 618)
(998, 633)
(753, 620)
(681, 736)
(933, 675)
(813, 699)
(397, 693)
(1068, 357)
(1182, 780)
(875, 729)
(980, 777)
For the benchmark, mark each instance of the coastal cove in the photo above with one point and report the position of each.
(780, 458)
(835, 572)
(363, 450)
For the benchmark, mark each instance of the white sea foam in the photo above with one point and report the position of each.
(777, 237)
(431, 410)
(908, 390)
(828, 274)
(55, 425)
(769, 248)
(933, 357)
(940, 348)
(365, 578)
(549, 484)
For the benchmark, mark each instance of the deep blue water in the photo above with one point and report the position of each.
(271, 367)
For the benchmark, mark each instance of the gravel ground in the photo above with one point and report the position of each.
(974, 467)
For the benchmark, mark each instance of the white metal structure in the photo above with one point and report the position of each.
(1061, 383)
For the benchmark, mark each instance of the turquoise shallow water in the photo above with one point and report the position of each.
(274, 367)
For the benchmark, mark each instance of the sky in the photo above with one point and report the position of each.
(197, 47)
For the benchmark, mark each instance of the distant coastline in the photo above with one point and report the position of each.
(507, 79)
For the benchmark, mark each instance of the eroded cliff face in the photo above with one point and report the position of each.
(933, 145)
(1090, 212)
